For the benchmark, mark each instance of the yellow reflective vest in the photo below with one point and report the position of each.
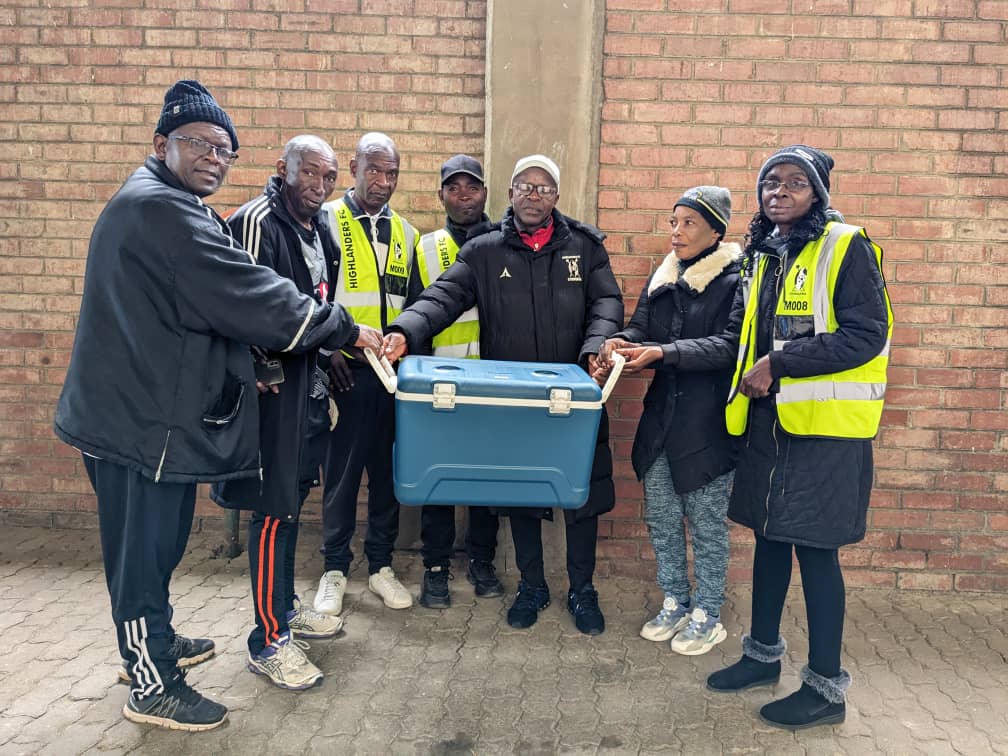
(372, 297)
(847, 404)
(437, 252)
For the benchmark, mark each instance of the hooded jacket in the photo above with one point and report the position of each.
(265, 227)
(558, 304)
(683, 414)
(160, 377)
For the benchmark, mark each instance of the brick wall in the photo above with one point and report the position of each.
(909, 97)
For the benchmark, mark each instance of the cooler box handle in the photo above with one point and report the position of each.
(383, 368)
(618, 361)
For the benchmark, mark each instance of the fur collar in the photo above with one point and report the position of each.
(698, 275)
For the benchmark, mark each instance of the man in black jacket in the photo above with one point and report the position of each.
(158, 393)
(285, 229)
(545, 293)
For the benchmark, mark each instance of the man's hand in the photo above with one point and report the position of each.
(370, 338)
(340, 377)
(640, 357)
(610, 346)
(395, 346)
(757, 380)
(262, 388)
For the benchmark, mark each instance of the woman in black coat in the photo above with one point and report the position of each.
(811, 330)
(682, 450)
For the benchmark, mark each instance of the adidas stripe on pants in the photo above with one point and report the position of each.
(144, 529)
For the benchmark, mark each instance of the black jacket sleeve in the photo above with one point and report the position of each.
(862, 321)
(439, 305)
(604, 301)
(711, 352)
(218, 288)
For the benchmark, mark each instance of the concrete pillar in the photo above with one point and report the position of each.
(544, 95)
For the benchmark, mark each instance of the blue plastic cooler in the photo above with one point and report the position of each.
(485, 432)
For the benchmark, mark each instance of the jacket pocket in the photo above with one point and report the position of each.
(228, 403)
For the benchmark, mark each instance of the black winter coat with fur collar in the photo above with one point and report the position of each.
(683, 414)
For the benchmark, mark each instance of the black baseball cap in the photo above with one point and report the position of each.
(461, 164)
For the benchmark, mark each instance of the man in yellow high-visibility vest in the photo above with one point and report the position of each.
(463, 194)
(377, 251)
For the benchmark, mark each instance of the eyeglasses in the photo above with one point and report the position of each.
(794, 185)
(524, 190)
(204, 148)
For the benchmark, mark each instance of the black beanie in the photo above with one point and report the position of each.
(188, 101)
(816, 164)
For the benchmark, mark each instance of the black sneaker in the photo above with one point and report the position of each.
(179, 707)
(583, 604)
(527, 604)
(482, 575)
(187, 652)
(434, 592)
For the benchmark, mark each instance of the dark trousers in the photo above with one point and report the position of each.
(823, 586)
(144, 529)
(437, 534)
(581, 540)
(272, 543)
(362, 440)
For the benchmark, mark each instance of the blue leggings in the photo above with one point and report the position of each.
(704, 509)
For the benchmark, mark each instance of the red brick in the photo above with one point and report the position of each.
(927, 581)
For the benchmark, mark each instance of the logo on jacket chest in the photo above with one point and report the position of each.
(573, 267)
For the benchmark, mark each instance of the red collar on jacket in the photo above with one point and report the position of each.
(538, 238)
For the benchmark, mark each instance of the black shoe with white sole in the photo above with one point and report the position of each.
(187, 652)
(178, 707)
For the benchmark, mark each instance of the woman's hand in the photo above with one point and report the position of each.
(610, 346)
(640, 357)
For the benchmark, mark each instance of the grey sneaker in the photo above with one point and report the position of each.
(700, 635)
(286, 665)
(672, 618)
(305, 622)
(178, 707)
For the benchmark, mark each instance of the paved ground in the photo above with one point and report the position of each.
(930, 672)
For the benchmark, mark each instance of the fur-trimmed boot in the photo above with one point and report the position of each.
(819, 701)
(759, 665)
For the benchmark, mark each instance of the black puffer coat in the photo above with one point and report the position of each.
(798, 489)
(684, 408)
(555, 305)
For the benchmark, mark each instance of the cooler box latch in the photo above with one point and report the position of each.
(559, 401)
(444, 396)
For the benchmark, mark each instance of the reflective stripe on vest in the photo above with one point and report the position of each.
(461, 339)
(846, 404)
(358, 287)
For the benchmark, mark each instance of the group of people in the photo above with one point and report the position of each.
(230, 352)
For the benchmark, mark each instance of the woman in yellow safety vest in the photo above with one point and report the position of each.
(813, 324)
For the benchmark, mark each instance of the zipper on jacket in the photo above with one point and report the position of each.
(766, 520)
(164, 452)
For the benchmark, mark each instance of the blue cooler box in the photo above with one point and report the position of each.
(485, 432)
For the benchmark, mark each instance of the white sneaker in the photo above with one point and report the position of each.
(700, 635)
(672, 618)
(329, 597)
(308, 623)
(385, 584)
(286, 665)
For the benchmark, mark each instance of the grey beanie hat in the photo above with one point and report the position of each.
(816, 164)
(188, 101)
(712, 202)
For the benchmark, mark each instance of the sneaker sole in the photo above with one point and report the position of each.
(286, 686)
(186, 661)
(316, 634)
(707, 646)
(497, 590)
(832, 720)
(170, 724)
(404, 604)
(429, 603)
(666, 635)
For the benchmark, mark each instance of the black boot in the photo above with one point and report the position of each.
(759, 665)
(819, 701)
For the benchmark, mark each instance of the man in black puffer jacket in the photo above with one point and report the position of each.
(545, 293)
(160, 390)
